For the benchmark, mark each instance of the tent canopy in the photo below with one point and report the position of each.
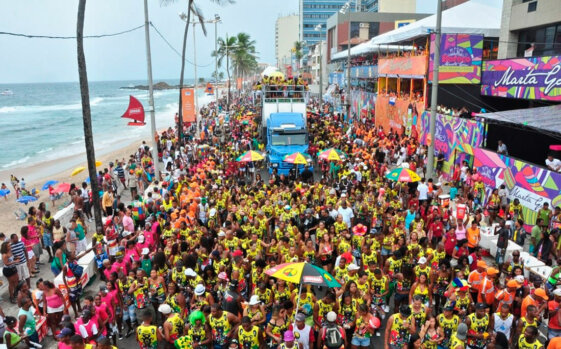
(481, 17)
(543, 119)
(368, 47)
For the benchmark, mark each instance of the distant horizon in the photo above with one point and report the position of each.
(155, 80)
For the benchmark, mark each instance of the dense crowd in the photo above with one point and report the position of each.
(184, 262)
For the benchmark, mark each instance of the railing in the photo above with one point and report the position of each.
(284, 93)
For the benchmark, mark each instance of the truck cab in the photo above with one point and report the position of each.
(287, 133)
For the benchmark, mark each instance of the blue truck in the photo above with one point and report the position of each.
(287, 133)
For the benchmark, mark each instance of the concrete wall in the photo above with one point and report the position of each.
(287, 32)
(407, 6)
(508, 39)
(547, 12)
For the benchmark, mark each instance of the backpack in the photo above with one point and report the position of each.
(333, 337)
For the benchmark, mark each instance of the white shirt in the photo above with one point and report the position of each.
(84, 332)
(347, 214)
(555, 164)
(423, 190)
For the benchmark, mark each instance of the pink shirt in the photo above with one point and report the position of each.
(128, 223)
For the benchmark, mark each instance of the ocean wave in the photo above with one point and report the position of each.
(17, 162)
(42, 108)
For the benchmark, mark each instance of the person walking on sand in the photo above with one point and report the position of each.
(107, 201)
(20, 257)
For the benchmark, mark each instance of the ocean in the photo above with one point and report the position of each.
(43, 122)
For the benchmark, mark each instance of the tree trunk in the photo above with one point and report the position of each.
(86, 113)
(180, 118)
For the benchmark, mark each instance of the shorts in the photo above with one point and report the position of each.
(74, 293)
(9, 271)
(30, 254)
(23, 271)
(129, 313)
(38, 250)
(361, 341)
(47, 239)
(551, 333)
(81, 246)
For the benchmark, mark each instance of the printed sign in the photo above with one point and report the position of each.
(406, 67)
(460, 58)
(188, 104)
(536, 78)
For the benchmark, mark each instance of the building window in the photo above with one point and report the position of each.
(541, 41)
(532, 6)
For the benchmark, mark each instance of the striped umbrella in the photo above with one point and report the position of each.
(401, 174)
(250, 156)
(332, 154)
(296, 158)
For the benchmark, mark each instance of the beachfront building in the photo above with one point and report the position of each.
(286, 34)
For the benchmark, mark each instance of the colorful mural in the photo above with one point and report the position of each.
(450, 132)
(362, 101)
(460, 58)
(397, 114)
(530, 184)
(527, 78)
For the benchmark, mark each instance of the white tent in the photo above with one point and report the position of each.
(366, 47)
(269, 70)
(472, 17)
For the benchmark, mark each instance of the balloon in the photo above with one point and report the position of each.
(374, 322)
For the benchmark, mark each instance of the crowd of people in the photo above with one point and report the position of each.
(184, 262)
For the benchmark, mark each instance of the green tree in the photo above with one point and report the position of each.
(244, 59)
(298, 53)
(225, 52)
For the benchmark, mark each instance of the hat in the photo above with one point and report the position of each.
(512, 283)
(331, 316)
(332, 192)
(141, 238)
(287, 207)
(145, 250)
(222, 276)
(461, 332)
(540, 292)
(492, 271)
(65, 332)
(422, 260)
(221, 234)
(343, 195)
(164, 309)
(481, 264)
(481, 306)
(557, 292)
(353, 266)
(302, 317)
(199, 290)
(519, 279)
(190, 272)
(237, 253)
(126, 233)
(288, 336)
(254, 300)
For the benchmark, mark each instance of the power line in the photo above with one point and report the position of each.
(30, 36)
(174, 49)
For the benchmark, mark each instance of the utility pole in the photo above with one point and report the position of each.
(434, 96)
(216, 20)
(318, 28)
(346, 9)
(196, 81)
(151, 92)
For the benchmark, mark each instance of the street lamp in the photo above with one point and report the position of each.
(216, 20)
(318, 28)
(344, 10)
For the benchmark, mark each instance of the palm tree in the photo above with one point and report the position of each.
(192, 9)
(226, 49)
(86, 112)
(244, 58)
(298, 54)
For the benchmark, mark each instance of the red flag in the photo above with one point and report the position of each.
(135, 111)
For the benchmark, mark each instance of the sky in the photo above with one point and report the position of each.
(123, 57)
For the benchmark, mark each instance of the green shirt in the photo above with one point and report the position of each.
(146, 265)
(80, 234)
(536, 233)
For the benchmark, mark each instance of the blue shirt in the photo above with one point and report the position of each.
(453, 193)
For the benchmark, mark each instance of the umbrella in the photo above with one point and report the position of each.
(48, 184)
(77, 170)
(4, 192)
(359, 229)
(331, 154)
(276, 74)
(296, 158)
(250, 156)
(303, 273)
(26, 199)
(98, 163)
(465, 148)
(63, 188)
(403, 175)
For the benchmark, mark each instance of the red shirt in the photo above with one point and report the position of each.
(554, 320)
(437, 229)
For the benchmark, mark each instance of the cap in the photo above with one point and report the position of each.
(288, 336)
(221, 234)
(199, 290)
(331, 316)
(254, 300)
(557, 292)
(65, 332)
(353, 266)
(492, 271)
(481, 306)
(145, 250)
(461, 332)
(222, 276)
(300, 317)
(237, 253)
(481, 264)
(422, 260)
(66, 318)
(540, 292)
(519, 279)
(343, 195)
(287, 207)
(164, 309)
(512, 283)
(126, 233)
(190, 272)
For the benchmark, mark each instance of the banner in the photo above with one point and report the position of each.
(362, 102)
(405, 67)
(536, 78)
(336, 78)
(449, 133)
(460, 58)
(531, 185)
(364, 72)
(239, 84)
(209, 89)
(188, 105)
(399, 117)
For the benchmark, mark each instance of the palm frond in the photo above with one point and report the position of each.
(197, 12)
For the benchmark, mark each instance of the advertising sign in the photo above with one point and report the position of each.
(460, 58)
(405, 67)
(536, 78)
(403, 23)
(188, 104)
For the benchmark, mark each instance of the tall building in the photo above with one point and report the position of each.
(397, 6)
(286, 34)
(530, 28)
(370, 5)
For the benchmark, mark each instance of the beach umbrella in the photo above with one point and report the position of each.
(250, 156)
(359, 230)
(77, 170)
(98, 163)
(4, 192)
(331, 154)
(26, 199)
(276, 74)
(296, 159)
(401, 174)
(303, 273)
(48, 184)
(63, 188)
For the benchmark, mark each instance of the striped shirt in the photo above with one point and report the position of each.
(18, 250)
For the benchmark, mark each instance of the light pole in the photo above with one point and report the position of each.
(151, 91)
(434, 96)
(318, 28)
(346, 9)
(216, 20)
